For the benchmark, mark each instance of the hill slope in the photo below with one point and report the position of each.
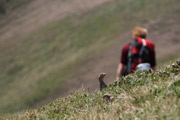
(34, 63)
(143, 95)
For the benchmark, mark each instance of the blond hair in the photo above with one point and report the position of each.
(140, 32)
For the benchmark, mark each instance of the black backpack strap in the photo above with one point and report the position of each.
(132, 44)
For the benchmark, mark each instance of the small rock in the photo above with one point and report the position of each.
(109, 98)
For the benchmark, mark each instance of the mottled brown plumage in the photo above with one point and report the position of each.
(102, 83)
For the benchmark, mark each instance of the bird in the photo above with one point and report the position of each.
(106, 97)
(101, 82)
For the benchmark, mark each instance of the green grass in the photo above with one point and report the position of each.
(142, 95)
(32, 67)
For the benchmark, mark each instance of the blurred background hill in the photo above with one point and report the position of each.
(49, 48)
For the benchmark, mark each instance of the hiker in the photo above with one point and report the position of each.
(137, 55)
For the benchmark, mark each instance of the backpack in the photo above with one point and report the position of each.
(138, 53)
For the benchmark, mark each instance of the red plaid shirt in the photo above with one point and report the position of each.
(152, 59)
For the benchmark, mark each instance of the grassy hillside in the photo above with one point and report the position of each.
(7, 6)
(32, 67)
(143, 95)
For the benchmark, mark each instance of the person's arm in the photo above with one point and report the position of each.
(120, 70)
(123, 61)
(153, 58)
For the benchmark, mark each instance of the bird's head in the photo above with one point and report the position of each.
(101, 75)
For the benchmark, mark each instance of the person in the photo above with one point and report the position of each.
(137, 55)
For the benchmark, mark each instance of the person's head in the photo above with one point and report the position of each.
(139, 32)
